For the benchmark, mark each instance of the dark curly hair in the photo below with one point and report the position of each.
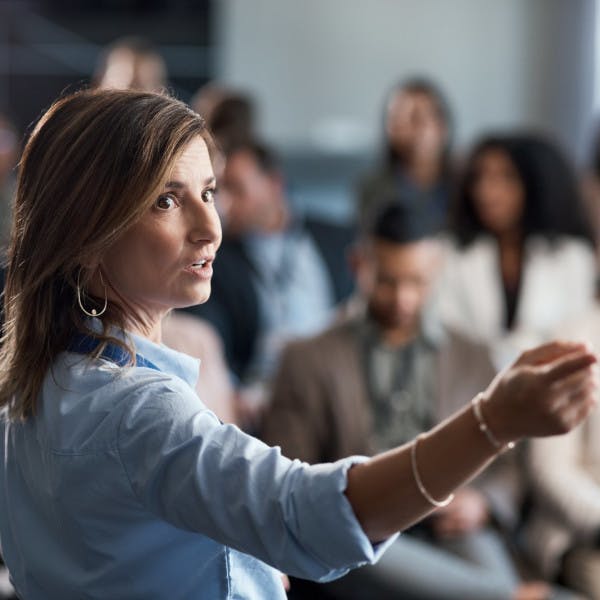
(553, 203)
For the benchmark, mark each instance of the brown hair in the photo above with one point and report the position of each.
(89, 171)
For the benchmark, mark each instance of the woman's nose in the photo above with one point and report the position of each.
(206, 226)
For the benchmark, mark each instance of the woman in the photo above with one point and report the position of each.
(416, 164)
(523, 257)
(117, 481)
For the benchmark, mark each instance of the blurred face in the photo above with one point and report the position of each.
(126, 69)
(248, 196)
(498, 193)
(8, 149)
(164, 261)
(414, 126)
(396, 279)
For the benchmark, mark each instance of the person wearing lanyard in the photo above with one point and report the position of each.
(117, 482)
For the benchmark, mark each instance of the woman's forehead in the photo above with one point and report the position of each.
(193, 162)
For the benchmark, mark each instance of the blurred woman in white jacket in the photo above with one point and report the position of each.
(521, 257)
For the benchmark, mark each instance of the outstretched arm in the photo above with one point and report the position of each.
(548, 391)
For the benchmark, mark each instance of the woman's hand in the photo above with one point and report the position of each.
(548, 391)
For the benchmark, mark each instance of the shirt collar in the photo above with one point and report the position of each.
(166, 359)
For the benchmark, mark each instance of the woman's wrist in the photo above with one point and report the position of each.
(492, 433)
(500, 416)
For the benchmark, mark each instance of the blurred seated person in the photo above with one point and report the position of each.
(275, 280)
(9, 150)
(230, 116)
(207, 97)
(385, 372)
(522, 258)
(563, 530)
(416, 165)
(9, 147)
(591, 190)
(198, 338)
(131, 63)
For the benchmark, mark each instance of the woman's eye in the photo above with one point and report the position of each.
(209, 195)
(165, 202)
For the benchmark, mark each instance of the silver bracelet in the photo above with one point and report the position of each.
(422, 489)
(483, 426)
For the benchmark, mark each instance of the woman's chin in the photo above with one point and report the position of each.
(200, 297)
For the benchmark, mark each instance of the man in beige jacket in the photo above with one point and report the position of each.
(383, 373)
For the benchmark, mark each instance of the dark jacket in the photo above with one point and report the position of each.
(233, 307)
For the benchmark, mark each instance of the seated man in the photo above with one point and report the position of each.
(382, 374)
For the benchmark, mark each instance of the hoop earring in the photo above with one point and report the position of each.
(93, 312)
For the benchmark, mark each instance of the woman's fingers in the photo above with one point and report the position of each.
(574, 413)
(570, 404)
(566, 365)
(549, 352)
(548, 391)
(578, 380)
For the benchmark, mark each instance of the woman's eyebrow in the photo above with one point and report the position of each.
(175, 185)
(178, 185)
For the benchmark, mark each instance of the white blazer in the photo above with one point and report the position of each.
(558, 282)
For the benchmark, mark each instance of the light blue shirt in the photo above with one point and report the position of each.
(126, 486)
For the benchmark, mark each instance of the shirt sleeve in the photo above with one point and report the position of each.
(200, 475)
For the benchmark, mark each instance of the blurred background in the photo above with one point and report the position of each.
(395, 120)
(319, 71)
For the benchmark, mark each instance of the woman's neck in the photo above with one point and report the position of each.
(509, 240)
(154, 333)
(510, 245)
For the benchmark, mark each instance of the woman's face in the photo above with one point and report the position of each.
(164, 261)
(414, 126)
(498, 193)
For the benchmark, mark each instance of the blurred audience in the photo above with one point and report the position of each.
(591, 193)
(208, 97)
(230, 116)
(131, 63)
(562, 533)
(522, 260)
(415, 167)
(9, 151)
(274, 280)
(386, 371)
